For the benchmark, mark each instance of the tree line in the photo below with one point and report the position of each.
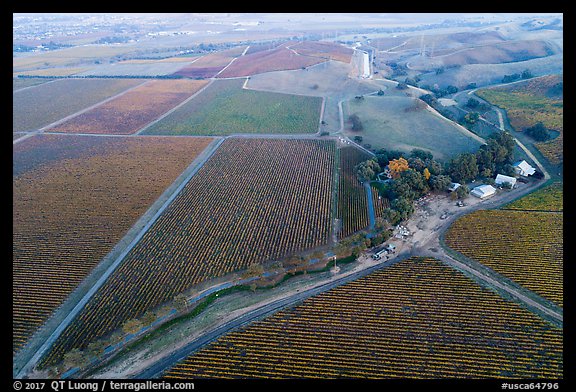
(415, 174)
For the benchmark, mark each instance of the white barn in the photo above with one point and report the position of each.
(523, 168)
(483, 191)
(501, 179)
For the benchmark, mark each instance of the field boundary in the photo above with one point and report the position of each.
(62, 120)
(43, 338)
(138, 132)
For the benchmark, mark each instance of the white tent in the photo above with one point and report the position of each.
(501, 179)
(483, 191)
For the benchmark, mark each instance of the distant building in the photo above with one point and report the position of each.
(501, 179)
(483, 191)
(523, 168)
(453, 186)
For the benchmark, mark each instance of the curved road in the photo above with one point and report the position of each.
(159, 367)
(430, 247)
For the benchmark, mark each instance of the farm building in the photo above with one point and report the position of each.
(483, 191)
(523, 168)
(501, 179)
(453, 186)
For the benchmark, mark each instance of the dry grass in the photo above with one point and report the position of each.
(504, 52)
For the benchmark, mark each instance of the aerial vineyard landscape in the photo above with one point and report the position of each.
(255, 213)
(129, 112)
(352, 208)
(531, 102)
(48, 102)
(529, 248)
(277, 59)
(226, 108)
(74, 198)
(416, 319)
(201, 196)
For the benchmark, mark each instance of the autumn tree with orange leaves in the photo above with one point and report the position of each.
(397, 166)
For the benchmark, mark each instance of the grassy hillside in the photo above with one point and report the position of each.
(401, 123)
(530, 102)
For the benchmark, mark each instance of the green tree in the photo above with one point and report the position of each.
(538, 132)
(417, 183)
(486, 172)
(132, 326)
(411, 82)
(485, 159)
(506, 140)
(463, 168)
(472, 103)
(462, 192)
(357, 125)
(254, 270)
(358, 139)
(384, 156)
(429, 99)
(451, 89)
(417, 164)
(180, 303)
(401, 86)
(498, 151)
(422, 154)
(75, 358)
(472, 117)
(149, 317)
(508, 170)
(433, 166)
(440, 182)
(367, 170)
(527, 74)
(392, 216)
(401, 189)
(403, 206)
(96, 348)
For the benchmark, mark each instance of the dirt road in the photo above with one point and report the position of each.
(432, 217)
